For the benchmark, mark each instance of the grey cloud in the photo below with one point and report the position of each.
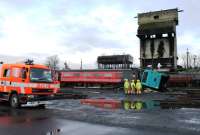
(20, 4)
(35, 54)
(89, 37)
(80, 35)
(11, 59)
(189, 19)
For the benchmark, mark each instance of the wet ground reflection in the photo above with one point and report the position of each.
(138, 105)
(23, 121)
(159, 104)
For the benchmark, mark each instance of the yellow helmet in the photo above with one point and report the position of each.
(138, 80)
(133, 80)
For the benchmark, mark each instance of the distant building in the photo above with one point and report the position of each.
(115, 62)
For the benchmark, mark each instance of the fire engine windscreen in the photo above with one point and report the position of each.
(40, 75)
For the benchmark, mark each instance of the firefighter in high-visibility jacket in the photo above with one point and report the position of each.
(138, 87)
(126, 86)
(133, 89)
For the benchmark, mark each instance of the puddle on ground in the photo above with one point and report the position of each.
(138, 105)
(10, 116)
(155, 104)
(54, 132)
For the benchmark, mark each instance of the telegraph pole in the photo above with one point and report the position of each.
(81, 65)
(194, 60)
(187, 57)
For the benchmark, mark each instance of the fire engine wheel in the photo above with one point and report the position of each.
(14, 101)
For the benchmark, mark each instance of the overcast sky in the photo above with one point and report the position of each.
(85, 29)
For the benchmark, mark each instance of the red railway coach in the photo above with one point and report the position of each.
(179, 80)
(94, 77)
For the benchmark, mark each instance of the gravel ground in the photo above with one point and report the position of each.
(179, 121)
(72, 117)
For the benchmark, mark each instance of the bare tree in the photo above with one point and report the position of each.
(194, 58)
(66, 66)
(190, 60)
(52, 62)
(186, 62)
(198, 61)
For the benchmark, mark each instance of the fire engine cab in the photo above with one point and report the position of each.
(26, 84)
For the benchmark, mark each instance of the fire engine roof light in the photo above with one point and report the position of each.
(29, 62)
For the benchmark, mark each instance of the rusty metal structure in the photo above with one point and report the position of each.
(157, 34)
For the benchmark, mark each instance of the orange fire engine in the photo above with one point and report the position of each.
(26, 84)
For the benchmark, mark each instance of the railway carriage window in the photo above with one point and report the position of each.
(86, 74)
(6, 73)
(76, 74)
(108, 75)
(97, 75)
(67, 74)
